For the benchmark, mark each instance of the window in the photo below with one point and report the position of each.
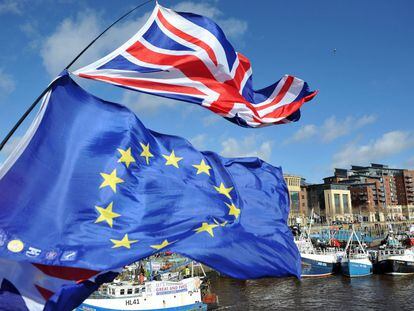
(337, 203)
(129, 291)
(136, 290)
(294, 201)
(347, 209)
(122, 291)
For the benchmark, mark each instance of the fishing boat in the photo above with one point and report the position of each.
(152, 295)
(316, 262)
(393, 258)
(168, 289)
(356, 261)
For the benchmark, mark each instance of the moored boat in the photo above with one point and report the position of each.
(395, 261)
(356, 261)
(393, 258)
(356, 265)
(316, 262)
(153, 295)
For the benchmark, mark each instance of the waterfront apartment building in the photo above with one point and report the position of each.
(365, 193)
(379, 192)
(298, 199)
(330, 202)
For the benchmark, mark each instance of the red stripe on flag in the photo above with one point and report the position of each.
(66, 273)
(280, 95)
(191, 66)
(188, 37)
(46, 294)
(286, 110)
(143, 84)
(243, 66)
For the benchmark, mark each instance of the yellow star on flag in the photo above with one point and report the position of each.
(164, 243)
(125, 242)
(206, 227)
(223, 190)
(202, 168)
(110, 180)
(172, 159)
(126, 157)
(106, 214)
(233, 210)
(146, 152)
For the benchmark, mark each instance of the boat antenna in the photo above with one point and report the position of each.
(34, 104)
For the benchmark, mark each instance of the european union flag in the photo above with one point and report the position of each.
(90, 187)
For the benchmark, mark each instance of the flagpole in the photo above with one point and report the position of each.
(37, 100)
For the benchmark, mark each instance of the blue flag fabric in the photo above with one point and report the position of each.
(92, 186)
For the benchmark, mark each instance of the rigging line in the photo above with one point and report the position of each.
(34, 104)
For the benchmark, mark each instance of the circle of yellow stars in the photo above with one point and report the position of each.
(112, 180)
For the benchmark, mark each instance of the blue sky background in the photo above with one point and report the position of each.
(364, 112)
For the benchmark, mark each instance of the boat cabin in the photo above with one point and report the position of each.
(125, 289)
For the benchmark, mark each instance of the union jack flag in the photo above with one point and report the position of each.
(26, 286)
(187, 57)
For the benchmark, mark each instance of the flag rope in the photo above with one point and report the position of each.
(34, 104)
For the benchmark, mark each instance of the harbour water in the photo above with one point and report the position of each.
(376, 292)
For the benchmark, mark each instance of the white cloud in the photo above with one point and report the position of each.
(232, 27)
(144, 103)
(11, 6)
(332, 128)
(199, 141)
(247, 147)
(390, 143)
(70, 37)
(205, 9)
(73, 34)
(7, 84)
(304, 133)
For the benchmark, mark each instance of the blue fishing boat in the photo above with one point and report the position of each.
(316, 262)
(356, 261)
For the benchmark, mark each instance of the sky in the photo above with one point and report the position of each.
(357, 54)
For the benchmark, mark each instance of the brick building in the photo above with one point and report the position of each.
(378, 192)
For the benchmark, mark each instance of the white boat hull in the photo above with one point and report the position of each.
(157, 295)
